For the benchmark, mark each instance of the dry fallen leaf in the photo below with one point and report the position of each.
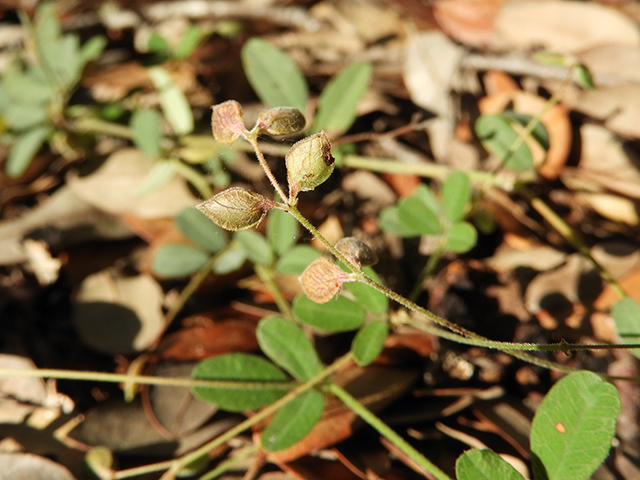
(468, 21)
(115, 185)
(115, 314)
(562, 26)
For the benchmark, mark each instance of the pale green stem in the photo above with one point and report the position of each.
(225, 466)
(196, 179)
(87, 375)
(263, 414)
(251, 138)
(569, 235)
(190, 288)
(429, 268)
(266, 275)
(385, 431)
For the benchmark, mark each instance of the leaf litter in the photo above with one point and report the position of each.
(103, 303)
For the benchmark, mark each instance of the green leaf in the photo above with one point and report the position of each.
(173, 102)
(389, 221)
(92, 49)
(177, 260)
(497, 135)
(189, 41)
(146, 128)
(297, 259)
(369, 342)
(239, 367)
(368, 297)
(413, 212)
(484, 464)
(425, 195)
(626, 315)
(456, 194)
(24, 149)
(26, 87)
(282, 230)
(292, 423)
(539, 132)
(256, 246)
(461, 238)
(230, 260)
(338, 102)
(158, 44)
(160, 175)
(572, 430)
(287, 346)
(273, 75)
(339, 315)
(25, 116)
(197, 227)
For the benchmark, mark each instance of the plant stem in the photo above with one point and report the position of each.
(263, 163)
(224, 466)
(569, 235)
(385, 431)
(429, 268)
(258, 417)
(196, 179)
(140, 379)
(187, 291)
(266, 275)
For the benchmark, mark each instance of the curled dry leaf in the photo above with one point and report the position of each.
(322, 280)
(468, 21)
(236, 208)
(309, 163)
(281, 121)
(227, 123)
(356, 251)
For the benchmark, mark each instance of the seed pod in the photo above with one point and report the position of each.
(322, 280)
(236, 208)
(309, 163)
(280, 121)
(357, 251)
(227, 123)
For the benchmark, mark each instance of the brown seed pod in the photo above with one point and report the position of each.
(357, 251)
(227, 123)
(322, 280)
(281, 121)
(236, 208)
(309, 163)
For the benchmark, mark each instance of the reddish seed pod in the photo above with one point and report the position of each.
(322, 280)
(227, 123)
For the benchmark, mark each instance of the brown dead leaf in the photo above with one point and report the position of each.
(616, 63)
(114, 187)
(374, 386)
(468, 21)
(562, 26)
(604, 165)
(33, 467)
(431, 59)
(199, 342)
(115, 314)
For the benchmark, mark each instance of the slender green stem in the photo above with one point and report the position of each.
(92, 376)
(142, 470)
(225, 466)
(258, 417)
(569, 235)
(251, 138)
(190, 288)
(429, 268)
(266, 275)
(96, 125)
(387, 432)
(196, 179)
